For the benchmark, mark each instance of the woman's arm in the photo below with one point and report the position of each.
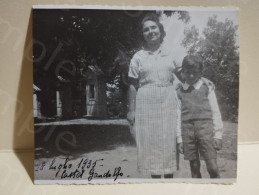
(133, 78)
(132, 101)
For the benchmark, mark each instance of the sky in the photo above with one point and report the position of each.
(175, 28)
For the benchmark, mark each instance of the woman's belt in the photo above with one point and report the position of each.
(156, 85)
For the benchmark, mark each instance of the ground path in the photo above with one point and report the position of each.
(114, 145)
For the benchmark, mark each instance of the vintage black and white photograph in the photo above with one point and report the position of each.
(135, 94)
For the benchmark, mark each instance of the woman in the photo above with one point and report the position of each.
(153, 108)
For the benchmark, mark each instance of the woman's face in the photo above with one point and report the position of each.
(151, 32)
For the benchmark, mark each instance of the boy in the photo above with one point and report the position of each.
(201, 118)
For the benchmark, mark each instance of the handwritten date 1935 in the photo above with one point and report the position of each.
(66, 170)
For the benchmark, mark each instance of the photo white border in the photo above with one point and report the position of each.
(137, 180)
(113, 7)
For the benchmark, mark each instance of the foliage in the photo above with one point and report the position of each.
(79, 38)
(104, 38)
(218, 48)
(114, 99)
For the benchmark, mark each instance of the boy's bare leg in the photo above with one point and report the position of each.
(156, 176)
(195, 168)
(212, 168)
(170, 175)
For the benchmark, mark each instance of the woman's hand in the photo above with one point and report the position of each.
(180, 147)
(217, 144)
(131, 117)
(132, 103)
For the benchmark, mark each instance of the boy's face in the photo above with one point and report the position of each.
(192, 74)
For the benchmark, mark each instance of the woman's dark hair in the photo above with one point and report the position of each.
(153, 17)
(191, 61)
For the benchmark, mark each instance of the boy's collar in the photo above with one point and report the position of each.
(196, 85)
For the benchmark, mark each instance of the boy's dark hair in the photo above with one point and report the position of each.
(191, 61)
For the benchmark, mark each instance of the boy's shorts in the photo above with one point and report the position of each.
(198, 141)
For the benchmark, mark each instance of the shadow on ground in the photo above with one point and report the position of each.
(75, 140)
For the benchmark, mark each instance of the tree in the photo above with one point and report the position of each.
(218, 48)
(104, 38)
(91, 37)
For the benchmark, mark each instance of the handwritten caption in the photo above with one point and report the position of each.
(67, 169)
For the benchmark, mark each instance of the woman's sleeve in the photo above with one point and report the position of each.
(134, 68)
(177, 69)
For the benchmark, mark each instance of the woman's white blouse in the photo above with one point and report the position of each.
(152, 68)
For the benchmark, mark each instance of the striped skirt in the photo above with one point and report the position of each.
(155, 129)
